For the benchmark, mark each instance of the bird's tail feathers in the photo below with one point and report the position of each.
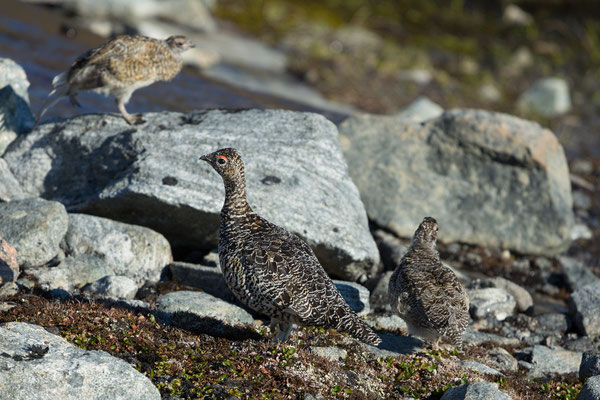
(59, 80)
(358, 328)
(61, 89)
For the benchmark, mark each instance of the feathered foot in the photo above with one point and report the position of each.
(131, 119)
(283, 330)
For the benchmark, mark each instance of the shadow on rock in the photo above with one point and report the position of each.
(394, 345)
(209, 326)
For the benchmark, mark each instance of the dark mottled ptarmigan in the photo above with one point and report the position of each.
(272, 270)
(120, 67)
(426, 293)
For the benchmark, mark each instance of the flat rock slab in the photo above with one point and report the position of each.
(127, 250)
(584, 304)
(151, 175)
(475, 391)
(203, 305)
(36, 364)
(35, 228)
(489, 179)
(551, 361)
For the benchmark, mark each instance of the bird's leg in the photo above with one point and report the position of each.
(436, 344)
(131, 119)
(73, 99)
(283, 331)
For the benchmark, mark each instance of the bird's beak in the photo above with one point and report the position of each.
(205, 158)
(192, 45)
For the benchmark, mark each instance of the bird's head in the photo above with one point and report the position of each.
(179, 43)
(427, 232)
(227, 162)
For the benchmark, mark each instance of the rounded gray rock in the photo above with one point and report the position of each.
(548, 96)
(491, 302)
(584, 305)
(522, 296)
(550, 361)
(35, 227)
(590, 364)
(590, 389)
(475, 391)
(127, 250)
(501, 359)
(203, 305)
(117, 287)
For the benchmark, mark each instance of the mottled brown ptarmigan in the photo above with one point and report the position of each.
(426, 293)
(271, 270)
(118, 68)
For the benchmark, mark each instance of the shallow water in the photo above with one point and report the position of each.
(45, 43)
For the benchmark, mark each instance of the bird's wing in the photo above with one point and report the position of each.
(126, 59)
(436, 291)
(292, 276)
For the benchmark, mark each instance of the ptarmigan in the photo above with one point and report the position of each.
(427, 294)
(120, 67)
(271, 270)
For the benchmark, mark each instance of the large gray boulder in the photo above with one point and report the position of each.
(127, 250)
(490, 179)
(35, 228)
(151, 175)
(36, 364)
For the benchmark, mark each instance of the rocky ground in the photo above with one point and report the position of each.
(108, 234)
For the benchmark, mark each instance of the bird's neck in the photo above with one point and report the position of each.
(423, 245)
(236, 204)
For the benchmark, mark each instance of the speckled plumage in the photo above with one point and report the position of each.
(427, 294)
(119, 67)
(272, 270)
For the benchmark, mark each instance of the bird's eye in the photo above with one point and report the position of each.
(222, 160)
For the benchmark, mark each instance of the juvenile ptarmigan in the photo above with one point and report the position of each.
(272, 270)
(427, 294)
(120, 67)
